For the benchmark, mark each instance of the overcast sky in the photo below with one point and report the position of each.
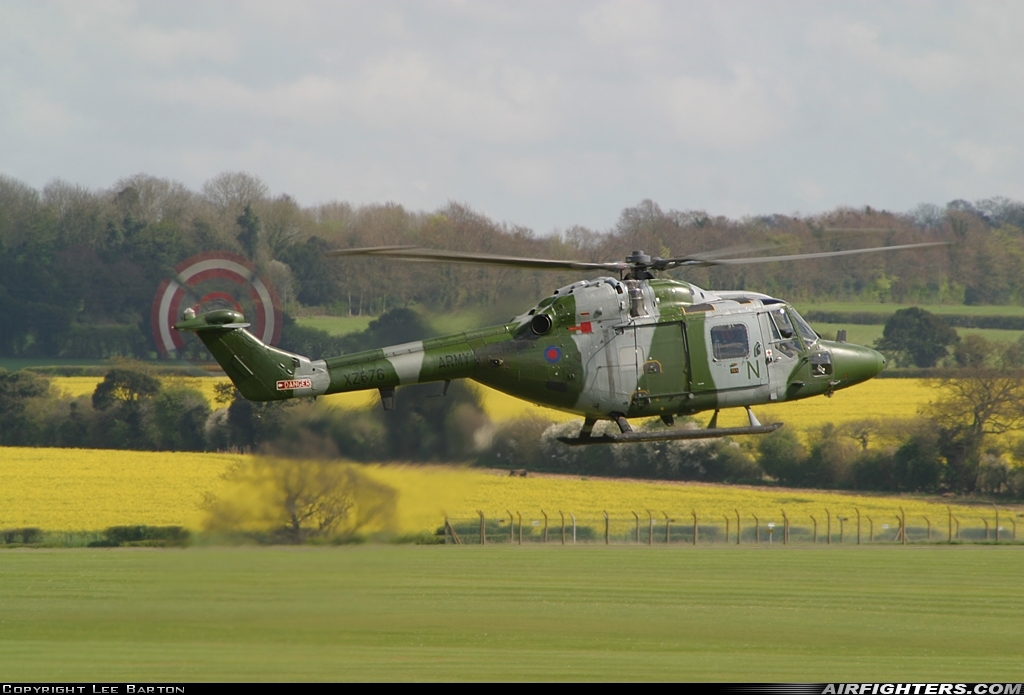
(542, 114)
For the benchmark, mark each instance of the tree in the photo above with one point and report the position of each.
(17, 390)
(294, 500)
(124, 386)
(122, 401)
(917, 336)
(980, 401)
(249, 237)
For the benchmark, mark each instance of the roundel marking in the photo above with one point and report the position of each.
(552, 354)
(188, 281)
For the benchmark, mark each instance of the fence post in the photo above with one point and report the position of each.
(511, 528)
(871, 536)
(828, 514)
(899, 529)
(986, 527)
(785, 527)
(929, 522)
(815, 539)
(545, 525)
(949, 510)
(757, 529)
(606, 527)
(667, 523)
(650, 530)
(483, 528)
(957, 520)
(903, 525)
(696, 528)
(520, 527)
(842, 526)
(997, 522)
(637, 517)
(449, 529)
(563, 525)
(737, 527)
(726, 516)
(857, 509)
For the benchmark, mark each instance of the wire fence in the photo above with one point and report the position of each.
(705, 528)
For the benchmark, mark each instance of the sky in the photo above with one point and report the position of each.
(541, 114)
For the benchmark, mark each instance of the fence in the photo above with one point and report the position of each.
(704, 528)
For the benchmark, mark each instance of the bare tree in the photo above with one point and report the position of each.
(231, 191)
(299, 499)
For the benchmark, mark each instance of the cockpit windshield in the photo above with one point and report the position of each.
(806, 332)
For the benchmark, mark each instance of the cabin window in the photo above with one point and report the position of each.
(730, 342)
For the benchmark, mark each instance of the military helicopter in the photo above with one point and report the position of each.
(607, 348)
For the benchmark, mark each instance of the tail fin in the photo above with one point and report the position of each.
(260, 372)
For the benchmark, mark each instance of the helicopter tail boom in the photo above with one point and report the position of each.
(264, 373)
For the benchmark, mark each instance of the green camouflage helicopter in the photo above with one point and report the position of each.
(608, 348)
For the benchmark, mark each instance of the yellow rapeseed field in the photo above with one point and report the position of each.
(77, 489)
(880, 398)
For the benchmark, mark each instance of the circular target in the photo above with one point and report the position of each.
(208, 281)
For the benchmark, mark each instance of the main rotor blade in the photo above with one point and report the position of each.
(368, 250)
(800, 256)
(413, 253)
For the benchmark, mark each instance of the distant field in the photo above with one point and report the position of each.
(443, 322)
(12, 364)
(336, 325)
(513, 614)
(85, 489)
(874, 308)
(867, 334)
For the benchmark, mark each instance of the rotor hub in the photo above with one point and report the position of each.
(638, 258)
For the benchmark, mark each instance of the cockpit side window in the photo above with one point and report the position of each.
(730, 342)
(781, 324)
(783, 333)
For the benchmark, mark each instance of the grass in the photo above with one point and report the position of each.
(867, 334)
(410, 613)
(336, 325)
(873, 307)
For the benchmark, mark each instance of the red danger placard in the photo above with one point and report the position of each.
(289, 384)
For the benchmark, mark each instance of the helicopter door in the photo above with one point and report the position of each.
(616, 369)
(782, 350)
(735, 350)
(664, 371)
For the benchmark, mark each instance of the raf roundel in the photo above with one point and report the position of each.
(552, 354)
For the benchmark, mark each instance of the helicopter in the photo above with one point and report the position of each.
(614, 347)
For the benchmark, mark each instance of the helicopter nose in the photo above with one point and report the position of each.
(854, 363)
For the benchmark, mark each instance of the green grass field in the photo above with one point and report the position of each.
(336, 325)
(872, 307)
(866, 334)
(854, 614)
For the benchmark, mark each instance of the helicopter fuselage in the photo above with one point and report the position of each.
(602, 348)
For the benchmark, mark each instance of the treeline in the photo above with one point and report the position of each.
(954, 447)
(79, 268)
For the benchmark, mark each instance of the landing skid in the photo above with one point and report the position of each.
(666, 435)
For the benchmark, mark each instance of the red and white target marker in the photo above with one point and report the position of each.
(190, 275)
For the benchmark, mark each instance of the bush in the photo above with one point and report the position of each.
(146, 535)
(27, 535)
